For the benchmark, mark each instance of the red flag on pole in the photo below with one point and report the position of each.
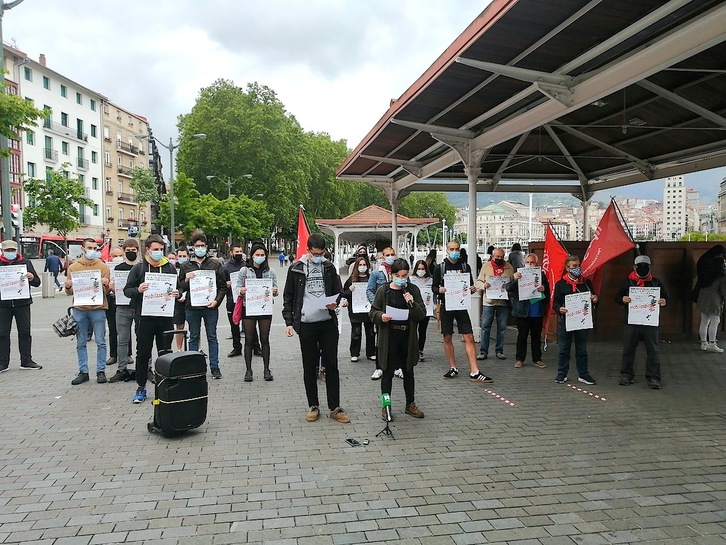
(610, 241)
(106, 251)
(303, 232)
(553, 260)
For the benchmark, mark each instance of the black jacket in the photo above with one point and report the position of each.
(35, 282)
(209, 264)
(136, 278)
(231, 268)
(562, 288)
(292, 296)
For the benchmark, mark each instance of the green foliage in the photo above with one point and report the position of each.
(55, 202)
(144, 186)
(428, 205)
(696, 236)
(16, 115)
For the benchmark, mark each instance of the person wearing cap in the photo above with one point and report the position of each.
(17, 308)
(632, 334)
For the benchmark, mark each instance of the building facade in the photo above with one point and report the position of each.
(675, 216)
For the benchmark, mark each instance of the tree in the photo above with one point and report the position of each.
(55, 202)
(16, 115)
(428, 205)
(144, 186)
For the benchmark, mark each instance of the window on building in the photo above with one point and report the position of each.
(108, 185)
(94, 183)
(107, 158)
(64, 119)
(94, 130)
(30, 138)
(64, 91)
(30, 170)
(120, 187)
(48, 173)
(28, 72)
(94, 157)
(46, 82)
(121, 214)
(106, 133)
(64, 148)
(108, 212)
(95, 210)
(79, 98)
(142, 217)
(93, 105)
(66, 174)
(82, 179)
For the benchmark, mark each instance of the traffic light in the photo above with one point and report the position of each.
(16, 218)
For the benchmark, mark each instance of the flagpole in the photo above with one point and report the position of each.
(622, 218)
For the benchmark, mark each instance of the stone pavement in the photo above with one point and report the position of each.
(561, 466)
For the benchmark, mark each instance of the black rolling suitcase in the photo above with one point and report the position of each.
(180, 399)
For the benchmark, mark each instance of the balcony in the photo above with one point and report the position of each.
(82, 163)
(126, 148)
(124, 224)
(109, 192)
(64, 130)
(124, 171)
(126, 197)
(50, 155)
(109, 220)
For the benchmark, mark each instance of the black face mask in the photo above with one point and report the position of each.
(642, 270)
(237, 257)
(499, 261)
(131, 256)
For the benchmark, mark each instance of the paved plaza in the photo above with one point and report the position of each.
(520, 461)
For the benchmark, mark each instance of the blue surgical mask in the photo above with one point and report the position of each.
(453, 256)
(182, 260)
(92, 254)
(575, 272)
(258, 259)
(11, 256)
(316, 259)
(400, 282)
(200, 252)
(390, 259)
(156, 255)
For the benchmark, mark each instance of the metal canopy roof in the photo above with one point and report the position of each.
(571, 96)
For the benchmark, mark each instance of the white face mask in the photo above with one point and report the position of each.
(117, 259)
(362, 269)
(420, 273)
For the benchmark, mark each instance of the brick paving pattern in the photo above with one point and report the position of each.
(77, 465)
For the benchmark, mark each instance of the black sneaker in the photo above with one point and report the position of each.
(4, 367)
(451, 373)
(268, 375)
(481, 377)
(216, 373)
(101, 377)
(625, 380)
(112, 360)
(32, 366)
(236, 352)
(121, 375)
(81, 378)
(654, 384)
(561, 379)
(587, 379)
(248, 376)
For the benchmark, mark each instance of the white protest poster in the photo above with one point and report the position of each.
(258, 299)
(13, 283)
(203, 288)
(87, 288)
(643, 308)
(497, 287)
(119, 281)
(528, 284)
(458, 294)
(579, 311)
(424, 286)
(158, 299)
(360, 301)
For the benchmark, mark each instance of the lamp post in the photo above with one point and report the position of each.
(5, 192)
(228, 181)
(171, 146)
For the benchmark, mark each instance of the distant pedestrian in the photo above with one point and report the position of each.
(125, 316)
(516, 256)
(281, 257)
(632, 333)
(709, 297)
(18, 309)
(231, 268)
(54, 265)
(423, 281)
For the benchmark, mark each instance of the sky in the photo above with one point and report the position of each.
(334, 64)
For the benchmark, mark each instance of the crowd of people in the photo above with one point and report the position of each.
(389, 301)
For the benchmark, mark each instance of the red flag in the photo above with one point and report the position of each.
(553, 260)
(106, 251)
(303, 232)
(610, 241)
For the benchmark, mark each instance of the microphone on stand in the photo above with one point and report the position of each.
(386, 404)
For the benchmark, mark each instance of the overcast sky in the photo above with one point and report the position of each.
(334, 64)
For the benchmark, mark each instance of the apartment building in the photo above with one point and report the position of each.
(675, 216)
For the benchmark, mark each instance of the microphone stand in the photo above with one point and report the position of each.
(386, 431)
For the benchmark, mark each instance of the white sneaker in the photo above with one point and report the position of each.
(378, 373)
(713, 347)
(354, 358)
(704, 346)
(399, 372)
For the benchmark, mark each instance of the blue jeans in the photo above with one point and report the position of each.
(210, 316)
(87, 319)
(487, 317)
(564, 339)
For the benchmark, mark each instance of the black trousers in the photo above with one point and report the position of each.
(320, 340)
(112, 331)
(423, 327)
(632, 335)
(147, 331)
(529, 327)
(25, 340)
(397, 355)
(234, 328)
(356, 335)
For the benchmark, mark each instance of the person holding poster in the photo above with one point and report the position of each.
(354, 290)
(423, 281)
(530, 296)
(494, 279)
(88, 281)
(572, 282)
(261, 317)
(452, 264)
(398, 338)
(149, 327)
(213, 296)
(124, 311)
(640, 277)
(16, 275)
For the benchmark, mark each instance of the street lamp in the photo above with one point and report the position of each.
(228, 182)
(171, 147)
